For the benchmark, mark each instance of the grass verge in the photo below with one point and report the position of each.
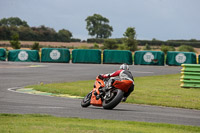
(34, 123)
(161, 90)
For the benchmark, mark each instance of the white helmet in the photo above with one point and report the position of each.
(124, 67)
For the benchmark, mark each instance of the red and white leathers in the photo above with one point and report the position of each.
(124, 75)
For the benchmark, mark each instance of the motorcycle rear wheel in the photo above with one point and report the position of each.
(86, 100)
(116, 99)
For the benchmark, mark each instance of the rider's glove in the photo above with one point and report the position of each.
(101, 77)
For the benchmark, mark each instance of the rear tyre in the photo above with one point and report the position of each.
(86, 100)
(115, 99)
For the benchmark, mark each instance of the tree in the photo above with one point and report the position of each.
(15, 41)
(147, 47)
(35, 46)
(5, 33)
(64, 35)
(166, 48)
(110, 44)
(26, 33)
(130, 33)
(130, 38)
(186, 48)
(13, 21)
(43, 33)
(98, 26)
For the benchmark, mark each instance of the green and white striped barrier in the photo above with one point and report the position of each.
(190, 76)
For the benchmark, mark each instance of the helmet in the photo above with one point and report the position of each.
(124, 67)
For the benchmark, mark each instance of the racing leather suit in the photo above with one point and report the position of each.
(124, 75)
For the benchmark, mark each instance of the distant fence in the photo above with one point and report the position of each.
(190, 76)
(95, 56)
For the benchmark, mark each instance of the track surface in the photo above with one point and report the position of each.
(17, 74)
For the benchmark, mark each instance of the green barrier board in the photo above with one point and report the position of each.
(190, 84)
(117, 57)
(191, 68)
(55, 55)
(177, 58)
(149, 58)
(23, 55)
(86, 56)
(190, 76)
(2, 54)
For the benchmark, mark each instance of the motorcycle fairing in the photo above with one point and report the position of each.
(98, 83)
(123, 85)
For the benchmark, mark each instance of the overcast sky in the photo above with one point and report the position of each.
(160, 19)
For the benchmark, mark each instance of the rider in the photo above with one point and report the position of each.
(123, 74)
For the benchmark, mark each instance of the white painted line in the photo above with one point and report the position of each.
(14, 88)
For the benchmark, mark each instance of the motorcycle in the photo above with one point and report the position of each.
(107, 93)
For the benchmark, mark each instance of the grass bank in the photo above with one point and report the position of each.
(14, 123)
(161, 90)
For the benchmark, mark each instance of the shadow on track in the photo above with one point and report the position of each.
(113, 110)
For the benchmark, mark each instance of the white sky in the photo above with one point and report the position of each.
(160, 19)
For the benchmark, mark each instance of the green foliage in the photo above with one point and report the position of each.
(130, 33)
(174, 43)
(75, 39)
(96, 46)
(26, 33)
(36, 46)
(131, 44)
(165, 48)
(130, 39)
(110, 44)
(147, 47)
(43, 33)
(101, 40)
(98, 26)
(13, 21)
(15, 41)
(153, 42)
(64, 35)
(186, 48)
(122, 47)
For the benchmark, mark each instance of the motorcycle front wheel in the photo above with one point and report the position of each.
(86, 100)
(114, 100)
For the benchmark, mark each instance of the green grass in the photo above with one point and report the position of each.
(14, 123)
(161, 90)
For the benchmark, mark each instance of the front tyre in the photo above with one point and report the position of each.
(114, 100)
(86, 100)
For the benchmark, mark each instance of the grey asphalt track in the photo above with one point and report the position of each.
(18, 74)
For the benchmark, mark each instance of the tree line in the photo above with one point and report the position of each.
(14, 25)
(175, 43)
(97, 26)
